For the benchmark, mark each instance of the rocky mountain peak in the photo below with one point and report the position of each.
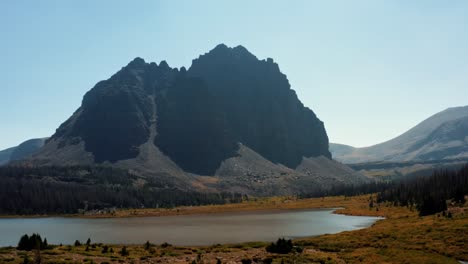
(196, 117)
(163, 64)
(224, 55)
(136, 63)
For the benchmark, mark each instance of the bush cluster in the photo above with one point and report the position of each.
(282, 246)
(34, 241)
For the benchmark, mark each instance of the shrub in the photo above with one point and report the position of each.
(26, 259)
(105, 249)
(165, 245)
(246, 261)
(298, 249)
(124, 251)
(147, 245)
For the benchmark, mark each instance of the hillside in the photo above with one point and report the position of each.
(441, 136)
(21, 151)
(5, 155)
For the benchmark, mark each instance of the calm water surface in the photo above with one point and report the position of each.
(184, 230)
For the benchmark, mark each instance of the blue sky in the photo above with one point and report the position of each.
(369, 69)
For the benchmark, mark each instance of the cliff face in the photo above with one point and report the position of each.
(195, 117)
(192, 127)
(114, 117)
(260, 108)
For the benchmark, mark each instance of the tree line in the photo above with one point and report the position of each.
(348, 189)
(55, 189)
(429, 194)
(67, 190)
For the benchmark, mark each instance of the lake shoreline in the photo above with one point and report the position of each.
(339, 203)
(401, 237)
(188, 230)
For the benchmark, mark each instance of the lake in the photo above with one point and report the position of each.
(184, 229)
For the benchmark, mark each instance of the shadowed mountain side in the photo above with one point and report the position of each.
(114, 116)
(261, 109)
(192, 128)
(154, 164)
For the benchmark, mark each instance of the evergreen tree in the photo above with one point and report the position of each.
(29, 243)
(23, 244)
(147, 245)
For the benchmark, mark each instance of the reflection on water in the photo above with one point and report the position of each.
(184, 230)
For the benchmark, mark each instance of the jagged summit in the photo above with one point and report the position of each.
(163, 64)
(239, 49)
(136, 63)
(222, 53)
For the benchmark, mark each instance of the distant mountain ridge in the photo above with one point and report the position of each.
(228, 108)
(5, 155)
(21, 151)
(441, 136)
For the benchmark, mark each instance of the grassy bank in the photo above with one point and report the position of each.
(351, 206)
(403, 237)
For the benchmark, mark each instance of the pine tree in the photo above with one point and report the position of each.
(23, 244)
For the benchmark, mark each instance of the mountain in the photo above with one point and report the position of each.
(5, 155)
(441, 136)
(27, 148)
(226, 122)
(21, 151)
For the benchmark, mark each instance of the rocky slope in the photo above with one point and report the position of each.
(228, 118)
(441, 136)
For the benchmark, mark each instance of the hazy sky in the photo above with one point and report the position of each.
(369, 69)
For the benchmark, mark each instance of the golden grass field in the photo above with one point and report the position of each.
(403, 237)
